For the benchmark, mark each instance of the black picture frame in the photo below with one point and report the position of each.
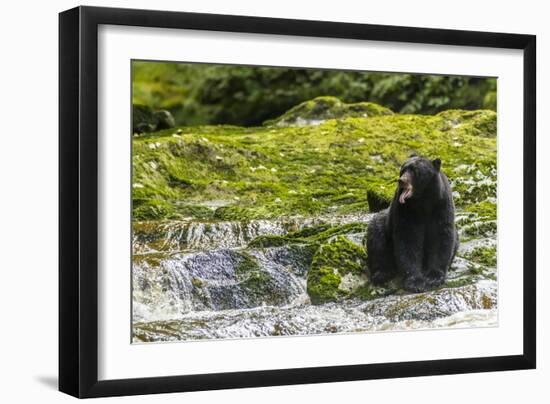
(78, 201)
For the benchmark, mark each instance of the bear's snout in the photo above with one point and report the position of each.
(405, 187)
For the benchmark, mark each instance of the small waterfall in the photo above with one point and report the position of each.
(196, 280)
(467, 306)
(218, 279)
(183, 236)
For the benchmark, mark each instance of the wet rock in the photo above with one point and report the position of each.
(436, 304)
(154, 236)
(167, 286)
(467, 306)
(262, 283)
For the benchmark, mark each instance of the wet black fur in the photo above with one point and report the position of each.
(418, 239)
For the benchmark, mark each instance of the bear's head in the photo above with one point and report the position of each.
(417, 175)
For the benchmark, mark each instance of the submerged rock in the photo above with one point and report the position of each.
(319, 109)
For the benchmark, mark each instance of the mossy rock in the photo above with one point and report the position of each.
(152, 209)
(309, 235)
(337, 271)
(478, 220)
(483, 255)
(479, 123)
(339, 167)
(165, 120)
(257, 285)
(145, 119)
(379, 199)
(322, 108)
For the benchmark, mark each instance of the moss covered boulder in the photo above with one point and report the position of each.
(337, 271)
(379, 198)
(322, 108)
(347, 165)
(476, 123)
(145, 119)
(315, 235)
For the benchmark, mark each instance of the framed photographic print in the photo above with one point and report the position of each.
(251, 201)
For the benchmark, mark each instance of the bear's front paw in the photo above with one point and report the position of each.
(414, 284)
(380, 277)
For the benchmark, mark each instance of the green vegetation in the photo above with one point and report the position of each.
(337, 270)
(252, 279)
(241, 95)
(486, 256)
(310, 235)
(323, 108)
(234, 143)
(340, 166)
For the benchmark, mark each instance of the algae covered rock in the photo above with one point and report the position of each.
(474, 123)
(337, 271)
(319, 109)
(316, 235)
(145, 119)
(339, 167)
(378, 199)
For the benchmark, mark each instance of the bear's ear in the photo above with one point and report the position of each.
(437, 164)
(413, 155)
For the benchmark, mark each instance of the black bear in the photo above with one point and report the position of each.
(415, 236)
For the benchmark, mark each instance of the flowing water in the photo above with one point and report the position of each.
(193, 281)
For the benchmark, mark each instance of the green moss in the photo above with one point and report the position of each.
(324, 285)
(152, 209)
(345, 165)
(311, 231)
(367, 291)
(459, 282)
(379, 198)
(475, 269)
(270, 241)
(246, 265)
(310, 235)
(486, 256)
(485, 210)
(490, 100)
(323, 108)
(478, 228)
(332, 262)
(478, 123)
(257, 284)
